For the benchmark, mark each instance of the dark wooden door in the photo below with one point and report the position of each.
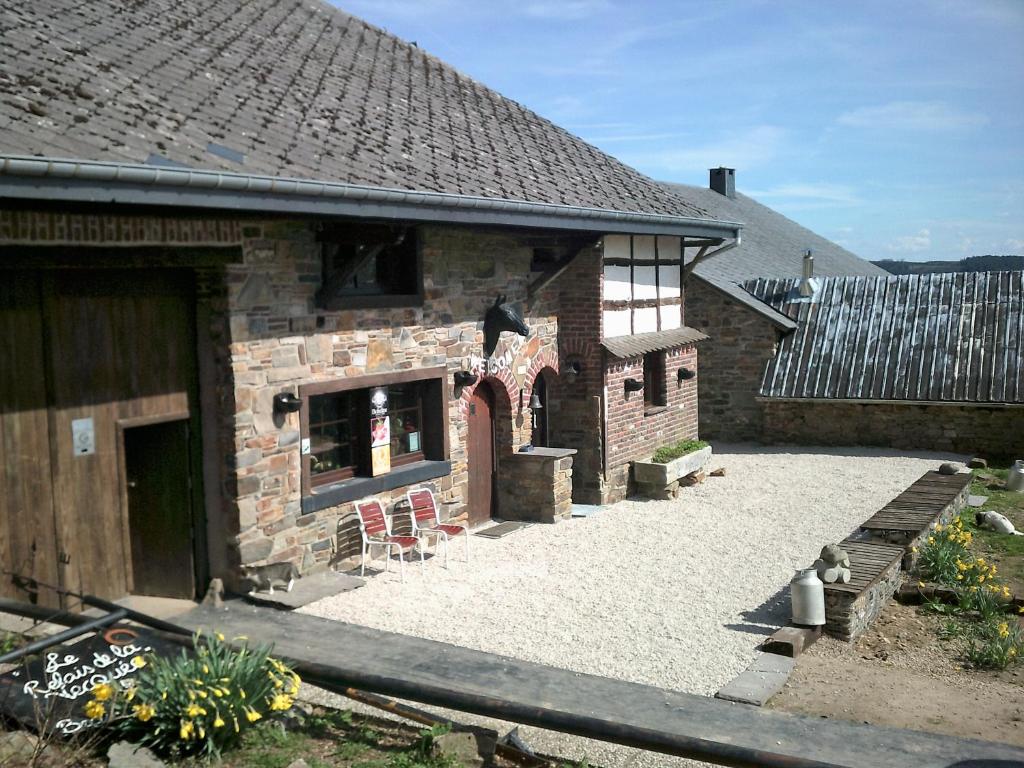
(27, 537)
(157, 472)
(480, 448)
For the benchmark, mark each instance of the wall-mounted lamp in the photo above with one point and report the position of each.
(465, 378)
(573, 368)
(286, 402)
(685, 374)
(535, 404)
(632, 385)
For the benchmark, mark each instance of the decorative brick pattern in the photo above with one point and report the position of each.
(57, 228)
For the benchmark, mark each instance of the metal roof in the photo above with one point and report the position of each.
(950, 337)
(642, 343)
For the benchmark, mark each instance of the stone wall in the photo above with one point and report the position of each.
(537, 486)
(848, 615)
(635, 432)
(280, 340)
(732, 362)
(968, 429)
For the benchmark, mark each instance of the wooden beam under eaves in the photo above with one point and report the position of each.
(556, 269)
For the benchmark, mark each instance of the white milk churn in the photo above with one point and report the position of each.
(807, 594)
(1015, 478)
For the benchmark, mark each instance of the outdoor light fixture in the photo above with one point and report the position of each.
(286, 402)
(465, 378)
(685, 374)
(574, 368)
(632, 385)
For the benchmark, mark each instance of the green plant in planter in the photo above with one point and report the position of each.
(199, 703)
(667, 453)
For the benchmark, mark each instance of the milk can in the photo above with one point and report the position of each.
(1015, 478)
(807, 594)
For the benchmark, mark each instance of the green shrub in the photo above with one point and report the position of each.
(199, 703)
(994, 643)
(667, 453)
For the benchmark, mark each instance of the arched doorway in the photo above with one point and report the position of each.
(481, 455)
(539, 434)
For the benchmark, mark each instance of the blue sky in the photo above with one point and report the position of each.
(893, 128)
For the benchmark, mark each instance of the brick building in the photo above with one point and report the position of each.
(246, 275)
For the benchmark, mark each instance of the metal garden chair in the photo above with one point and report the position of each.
(375, 529)
(426, 520)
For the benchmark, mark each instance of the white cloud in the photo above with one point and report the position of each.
(747, 149)
(922, 241)
(820, 192)
(1016, 245)
(566, 9)
(913, 116)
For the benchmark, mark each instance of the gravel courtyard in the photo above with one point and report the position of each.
(671, 593)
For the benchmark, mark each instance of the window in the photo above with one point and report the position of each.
(369, 265)
(338, 425)
(655, 395)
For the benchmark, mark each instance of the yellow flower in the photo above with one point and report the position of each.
(1004, 630)
(206, 670)
(938, 528)
(187, 727)
(242, 692)
(959, 577)
(920, 583)
(194, 710)
(931, 539)
(201, 694)
(218, 723)
(103, 691)
(129, 693)
(236, 723)
(981, 561)
(1012, 651)
(1006, 591)
(252, 715)
(94, 710)
(981, 579)
(280, 702)
(913, 549)
(163, 696)
(144, 712)
(138, 662)
(219, 636)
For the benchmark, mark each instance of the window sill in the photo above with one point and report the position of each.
(374, 301)
(359, 487)
(655, 409)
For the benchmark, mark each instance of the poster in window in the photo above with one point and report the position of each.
(378, 402)
(380, 431)
(380, 460)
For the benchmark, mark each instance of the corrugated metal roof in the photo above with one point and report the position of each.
(642, 343)
(951, 337)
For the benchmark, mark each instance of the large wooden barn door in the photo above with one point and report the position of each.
(480, 447)
(27, 536)
(121, 348)
(85, 356)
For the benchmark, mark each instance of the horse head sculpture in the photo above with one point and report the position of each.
(501, 317)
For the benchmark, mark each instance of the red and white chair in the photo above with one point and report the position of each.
(426, 520)
(375, 529)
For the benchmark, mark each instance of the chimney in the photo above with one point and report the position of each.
(723, 181)
(806, 284)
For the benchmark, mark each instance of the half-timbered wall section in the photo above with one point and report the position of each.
(642, 290)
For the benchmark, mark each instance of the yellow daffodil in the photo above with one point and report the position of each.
(252, 715)
(981, 561)
(194, 710)
(920, 583)
(219, 636)
(144, 712)
(138, 662)
(1004, 630)
(218, 722)
(280, 702)
(206, 670)
(187, 727)
(103, 691)
(129, 693)
(94, 710)
(938, 528)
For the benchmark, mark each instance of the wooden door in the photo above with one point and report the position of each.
(157, 472)
(27, 536)
(481, 459)
(121, 350)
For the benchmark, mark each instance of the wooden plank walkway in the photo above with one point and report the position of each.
(918, 507)
(369, 655)
(868, 561)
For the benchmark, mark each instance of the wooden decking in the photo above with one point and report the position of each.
(920, 506)
(868, 561)
(393, 664)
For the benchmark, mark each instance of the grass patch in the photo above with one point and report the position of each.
(667, 453)
(1007, 550)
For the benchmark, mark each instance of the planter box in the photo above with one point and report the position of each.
(662, 480)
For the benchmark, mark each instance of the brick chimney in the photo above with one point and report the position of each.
(723, 181)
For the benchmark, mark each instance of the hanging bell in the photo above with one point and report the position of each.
(535, 404)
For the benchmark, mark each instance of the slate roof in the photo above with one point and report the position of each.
(641, 343)
(772, 246)
(284, 88)
(948, 337)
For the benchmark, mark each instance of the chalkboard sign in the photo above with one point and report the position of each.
(53, 688)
